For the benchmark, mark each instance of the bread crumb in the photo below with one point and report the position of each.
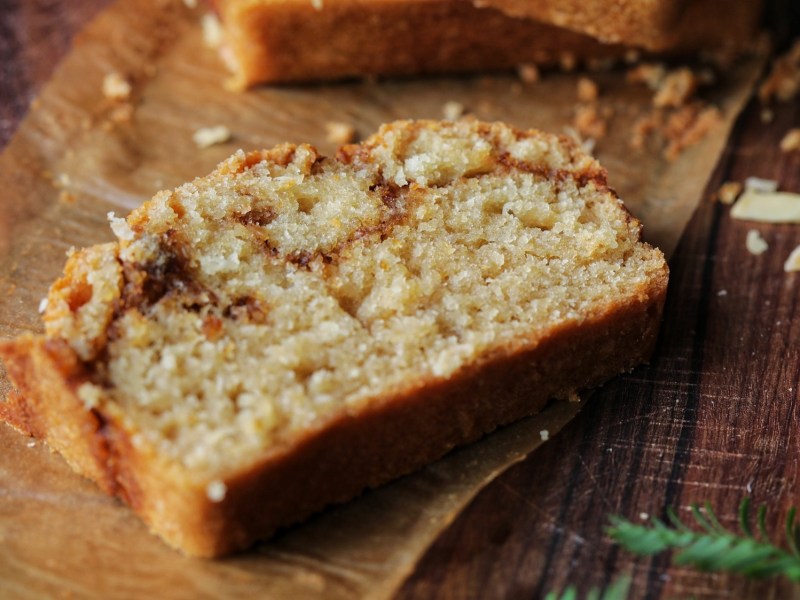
(589, 122)
(116, 87)
(452, 110)
(212, 30)
(757, 184)
(121, 114)
(338, 132)
(676, 89)
(31, 443)
(651, 74)
(65, 197)
(755, 243)
(567, 62)
(767, 207)
(544, 434)
(728, 192)
(783, 82)
(216, 491)
(43, 305)
(528, 73)
(793, 262)
(688, 126)
(791, 141)
(587, 90)
(722, 293)
(644, 126)
(632, 56)
(210, 136)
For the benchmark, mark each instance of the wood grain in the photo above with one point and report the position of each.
(714, 417)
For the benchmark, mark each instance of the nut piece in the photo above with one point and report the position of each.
(210, 136)
(767, 207)
(338, 132)
(793, 262)
(453, 110)
(755, 243)
(791, 141)
(116, 87)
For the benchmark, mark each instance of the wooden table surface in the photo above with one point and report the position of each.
(714, 417)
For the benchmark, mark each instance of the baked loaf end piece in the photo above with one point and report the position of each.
(279, 41)
(292, 329)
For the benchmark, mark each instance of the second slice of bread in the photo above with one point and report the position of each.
(292, 329)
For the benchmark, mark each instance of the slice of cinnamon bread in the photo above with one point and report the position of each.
(293, 329)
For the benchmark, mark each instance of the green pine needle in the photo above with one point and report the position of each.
(715, 548)
(618, 590)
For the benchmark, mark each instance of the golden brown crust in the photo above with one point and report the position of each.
(277, 42)
(345, 456)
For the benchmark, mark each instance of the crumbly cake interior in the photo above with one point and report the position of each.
(246, 307)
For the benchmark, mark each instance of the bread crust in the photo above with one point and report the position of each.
(291, 41)
(343, 457)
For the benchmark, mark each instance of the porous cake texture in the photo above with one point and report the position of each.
(292, 329)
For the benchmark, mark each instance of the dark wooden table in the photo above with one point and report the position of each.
(714, 417)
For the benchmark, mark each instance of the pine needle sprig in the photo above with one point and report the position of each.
(618, 590)
(713, 547)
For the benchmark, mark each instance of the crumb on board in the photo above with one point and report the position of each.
(792, 263)
(729, 191)
(528, 73)
(210, 136)
(122, 113)
(650, 74)
(212, 30)
(116, 87)
(567, 62)
(589, 121)
(791, 141)
(767, 207)
(588, 91)
(688, 126)
(339, 132)
(66, 197)
(755, 243)
(783, 81)
(676, 88)
(216, 491)
(453, 110)
(544, 434)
